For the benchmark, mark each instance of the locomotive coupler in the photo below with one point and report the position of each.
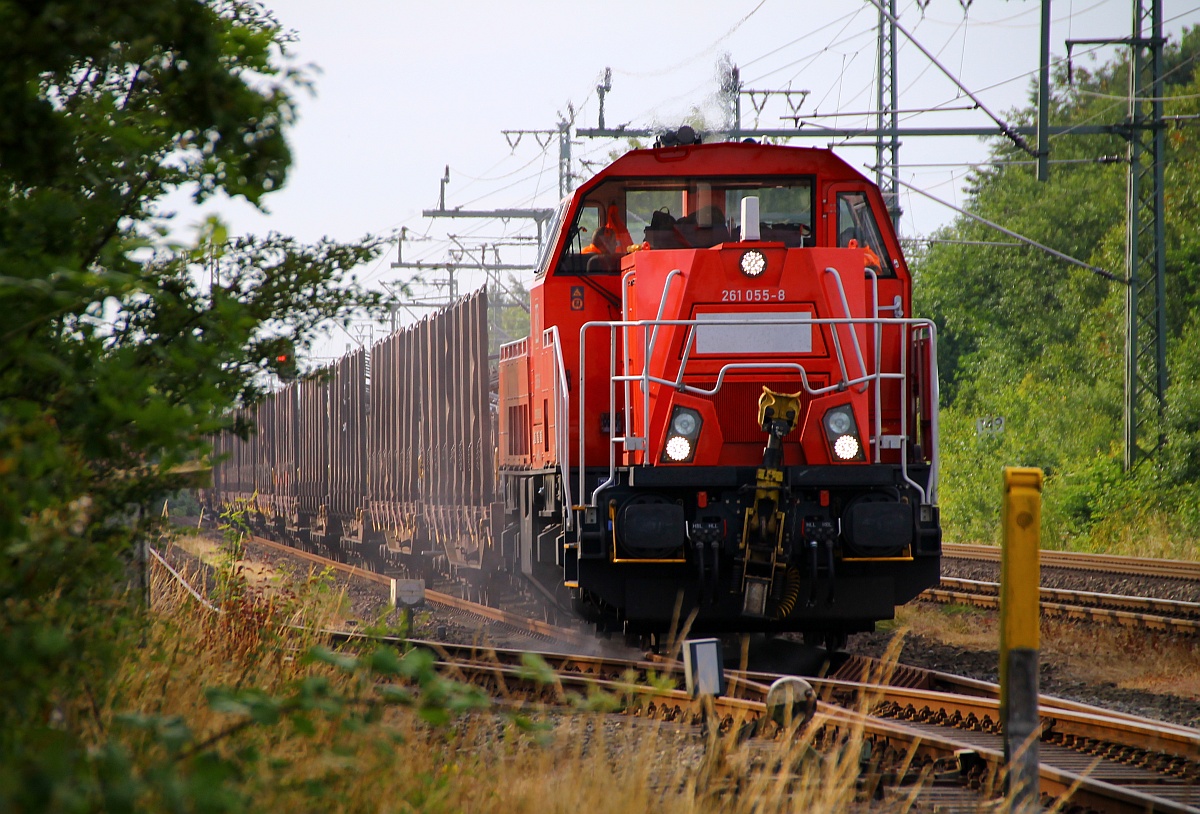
(763, 566)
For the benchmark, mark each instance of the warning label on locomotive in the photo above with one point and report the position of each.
(576, 298)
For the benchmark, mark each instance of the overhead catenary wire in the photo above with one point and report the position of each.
(1005, 128)
(1108, 275)
(808, 35)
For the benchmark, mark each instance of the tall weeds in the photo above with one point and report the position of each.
(226, 712)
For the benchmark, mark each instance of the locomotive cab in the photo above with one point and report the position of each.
(725, 407)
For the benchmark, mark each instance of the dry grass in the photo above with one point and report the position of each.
(1155, 537)
(1127, 658)
(482, 762)
(1080, 652)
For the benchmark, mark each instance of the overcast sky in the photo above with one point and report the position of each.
(407, 88)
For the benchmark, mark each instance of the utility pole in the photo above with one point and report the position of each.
(461, 257)
(446, 289)
(887, 143)
(539, 216)
(1043, 121)
(564, 155)
(1145, 235)
(563, 132)
(602, 89)
(1145, 304)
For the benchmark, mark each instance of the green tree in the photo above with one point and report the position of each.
(120, 356)
(1041, 343)
(508, 312)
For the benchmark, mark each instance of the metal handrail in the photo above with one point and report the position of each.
(562, 421)
(837, 278)
(874, 278)
(908, 328)
(647, 350)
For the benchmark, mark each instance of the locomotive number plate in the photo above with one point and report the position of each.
(752, 295)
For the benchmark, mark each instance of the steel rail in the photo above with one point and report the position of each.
(978, 710)
(1065, 769)
(1108, 563)
(1063, 717)
(178, 577)
(1136, 604)
(1127, 788)
(1147, 621)
(438, 598)
(902, 675)
(983, 714)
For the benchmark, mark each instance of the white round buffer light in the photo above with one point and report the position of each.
(753, 263)
(846, 447)
(685, 423)
(679, 448)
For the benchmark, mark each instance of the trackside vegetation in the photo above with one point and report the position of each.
(1040, 344)
(239, 710)
(122, 352)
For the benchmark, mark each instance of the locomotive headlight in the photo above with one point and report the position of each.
(839, 421)
(753, 263)
(842, 432)
(846, 447)
(679, 449)
(685, 422)
(682, 434)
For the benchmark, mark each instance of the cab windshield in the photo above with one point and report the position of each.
(622, 215)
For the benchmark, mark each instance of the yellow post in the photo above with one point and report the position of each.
(1020, 634)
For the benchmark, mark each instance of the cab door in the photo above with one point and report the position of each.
(854, 215)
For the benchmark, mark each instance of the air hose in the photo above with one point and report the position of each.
(791, 594)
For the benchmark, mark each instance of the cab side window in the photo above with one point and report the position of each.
(594, 244)
(586, 226)
(856, 222)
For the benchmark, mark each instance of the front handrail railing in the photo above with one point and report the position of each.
(562, 421)
(837, 342)
(648, 330)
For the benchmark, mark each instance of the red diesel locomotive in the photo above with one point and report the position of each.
(724, 406)
(724, 409)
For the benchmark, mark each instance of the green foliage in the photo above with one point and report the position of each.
(1039, 343)
(123, 355)
(159, 761)
(508, 313)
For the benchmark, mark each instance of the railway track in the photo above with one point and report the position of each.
(1096, 760)
(1106, 563)
(451, 607)
(1128, 611)
(539, 630)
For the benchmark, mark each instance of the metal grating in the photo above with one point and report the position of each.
(737, 409)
